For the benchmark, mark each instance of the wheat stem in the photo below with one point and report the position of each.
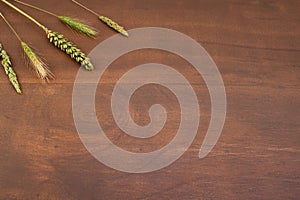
(35, 7)
(109, 22)
(86, 8)
(25, 14)
(11, 28)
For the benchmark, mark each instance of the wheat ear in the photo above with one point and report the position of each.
(78, 26)
(75, 24)
(38, 66)
(69, 48)
(59, 41)
(106, 20)
(9, 71)
(114, 25)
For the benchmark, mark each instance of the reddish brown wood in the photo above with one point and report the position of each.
(256, 45)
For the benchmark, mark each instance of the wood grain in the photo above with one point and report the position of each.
(256, 46)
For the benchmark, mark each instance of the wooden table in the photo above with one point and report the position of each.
(256, 46)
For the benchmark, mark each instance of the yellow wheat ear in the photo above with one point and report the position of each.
(114, 25)
(39, 67)
(109, 22)
(74, 24)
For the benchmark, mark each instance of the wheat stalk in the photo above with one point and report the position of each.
(9, 71)
(75, 24)
(106, 20)
(38, 66)
(59, 41)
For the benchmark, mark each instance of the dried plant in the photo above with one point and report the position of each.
(9, 71)
(37, 65)
(75, 24)
(106, 20)
(59, 41)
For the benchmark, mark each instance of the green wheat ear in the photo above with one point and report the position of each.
(74, 24)
(78, 26)
(38, 66)
(9, 71)
(69, 48)
(106, 20)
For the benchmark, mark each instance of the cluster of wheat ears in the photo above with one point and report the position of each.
(39, 68)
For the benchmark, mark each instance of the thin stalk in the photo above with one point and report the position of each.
(86, 8)
(25, 14)
(37, 8)
(11, 28)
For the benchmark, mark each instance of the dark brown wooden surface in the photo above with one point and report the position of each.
(256, 45)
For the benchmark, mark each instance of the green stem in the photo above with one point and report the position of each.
(11, 28)
(79, 4)
(35, 7)
(25, 14)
